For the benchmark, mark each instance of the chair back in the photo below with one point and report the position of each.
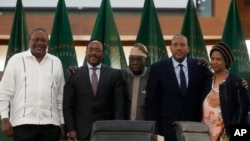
(123, 130)
(191, 131)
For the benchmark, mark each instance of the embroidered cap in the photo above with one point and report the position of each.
(225, 51)
(139, 49)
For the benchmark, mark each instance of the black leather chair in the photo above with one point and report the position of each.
(191, 131)
(123, 130)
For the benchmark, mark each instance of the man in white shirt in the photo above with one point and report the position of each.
(31, 90)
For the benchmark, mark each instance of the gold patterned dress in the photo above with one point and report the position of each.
(212, 114)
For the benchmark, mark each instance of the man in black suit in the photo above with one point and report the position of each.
(174, 97)
(83, 104)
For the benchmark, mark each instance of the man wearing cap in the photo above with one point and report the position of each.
(135, 78)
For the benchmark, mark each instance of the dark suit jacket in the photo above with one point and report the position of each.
(165, 102)
(81, 108)
(128, 79)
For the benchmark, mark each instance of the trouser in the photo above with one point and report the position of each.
(36, 133)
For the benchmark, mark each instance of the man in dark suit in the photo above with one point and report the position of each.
(174, 91)
(83, 104)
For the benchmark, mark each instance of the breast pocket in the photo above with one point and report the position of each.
(142, 98)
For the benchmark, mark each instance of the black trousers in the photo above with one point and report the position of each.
(36, 133)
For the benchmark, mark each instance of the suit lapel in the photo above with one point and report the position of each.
(86, 79)
(172, 75)
(191, 73)
(173, 72)
(103, 74)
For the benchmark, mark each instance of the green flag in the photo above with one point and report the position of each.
(105, 30)
(150, 33)
(61, 40)
(191, 29)
(19, 33)
(233, 36)
(18, 41)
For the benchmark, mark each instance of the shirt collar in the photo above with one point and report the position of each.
(176, 63)
(29, 54)
(90, 66)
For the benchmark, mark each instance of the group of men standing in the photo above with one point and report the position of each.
(41, 102)
(120, 94)
(37, 104)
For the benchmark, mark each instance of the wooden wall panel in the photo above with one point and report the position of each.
(128, 24)
(244, 9)
(247, 3)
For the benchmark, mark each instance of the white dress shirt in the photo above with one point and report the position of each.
(97, 71)
(34, 90)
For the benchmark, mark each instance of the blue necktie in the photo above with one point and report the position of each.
(183, 84)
